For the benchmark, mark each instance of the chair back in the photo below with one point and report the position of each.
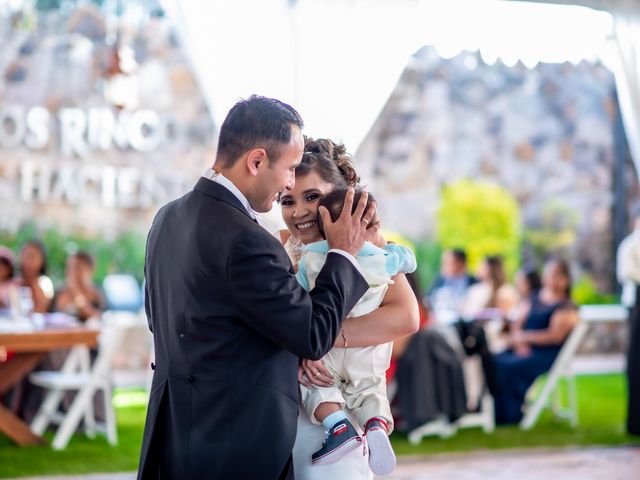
(122, 292)
(562, 366)
(113, 328)
(603, 313)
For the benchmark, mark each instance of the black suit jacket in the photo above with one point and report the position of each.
(229, 322)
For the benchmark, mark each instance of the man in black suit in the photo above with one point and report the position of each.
(228, 317)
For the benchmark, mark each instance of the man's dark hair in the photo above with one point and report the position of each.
(258, 122)
(334, 202)
(459, 254)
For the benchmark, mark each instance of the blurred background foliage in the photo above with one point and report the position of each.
(585, 292)
(122, 254)
(480, 217)
(483, 218)
(554, 236)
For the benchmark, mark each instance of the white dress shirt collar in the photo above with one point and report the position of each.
(220, 179)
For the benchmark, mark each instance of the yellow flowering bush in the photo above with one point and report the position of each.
(483, 218)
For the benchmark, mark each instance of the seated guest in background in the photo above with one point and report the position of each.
(489, 301)
(33, 275)
(450, 287)
(528, 285)
(528, 282)
(37, 289)
(491, 292)
(7, 282)
(430, 380)
(535, 341)
(79, 296)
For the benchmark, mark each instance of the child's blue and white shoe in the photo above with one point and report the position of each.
(382, 460)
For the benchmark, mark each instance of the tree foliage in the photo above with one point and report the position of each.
(482, 218)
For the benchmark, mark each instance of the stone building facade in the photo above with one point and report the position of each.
(101, 119)
(545, 134)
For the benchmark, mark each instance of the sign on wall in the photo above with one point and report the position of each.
(101, 121)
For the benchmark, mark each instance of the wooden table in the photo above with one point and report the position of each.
(30, 349)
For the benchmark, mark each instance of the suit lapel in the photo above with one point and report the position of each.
(217, 191)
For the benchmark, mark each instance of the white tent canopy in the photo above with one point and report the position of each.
(337, 61)
(624, 60)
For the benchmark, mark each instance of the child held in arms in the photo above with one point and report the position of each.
(359, 382)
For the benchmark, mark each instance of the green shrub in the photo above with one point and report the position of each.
(585, 292)
(482, 218)
(428, 255)
(554, 235)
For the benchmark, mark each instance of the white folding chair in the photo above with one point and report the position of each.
(483, 417)
(562, 367)
(76, 375)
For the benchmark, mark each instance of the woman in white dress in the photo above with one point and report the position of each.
(326, 165)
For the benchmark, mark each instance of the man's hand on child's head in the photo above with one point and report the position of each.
(349, 231)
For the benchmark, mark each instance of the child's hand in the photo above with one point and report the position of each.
(313, 373)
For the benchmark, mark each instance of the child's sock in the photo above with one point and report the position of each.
(333, 418)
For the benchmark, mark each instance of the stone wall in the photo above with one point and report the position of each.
(546, 134)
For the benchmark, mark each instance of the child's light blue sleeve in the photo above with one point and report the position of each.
(401, 259)
(301, 274)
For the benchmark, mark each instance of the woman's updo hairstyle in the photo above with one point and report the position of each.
(330, 161)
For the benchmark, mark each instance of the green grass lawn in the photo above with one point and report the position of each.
(601, 409)
(601, 413)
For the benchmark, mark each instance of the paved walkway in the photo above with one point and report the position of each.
(573, 464)
(565, 464)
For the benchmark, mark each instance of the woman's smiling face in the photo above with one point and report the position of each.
(300, 206)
